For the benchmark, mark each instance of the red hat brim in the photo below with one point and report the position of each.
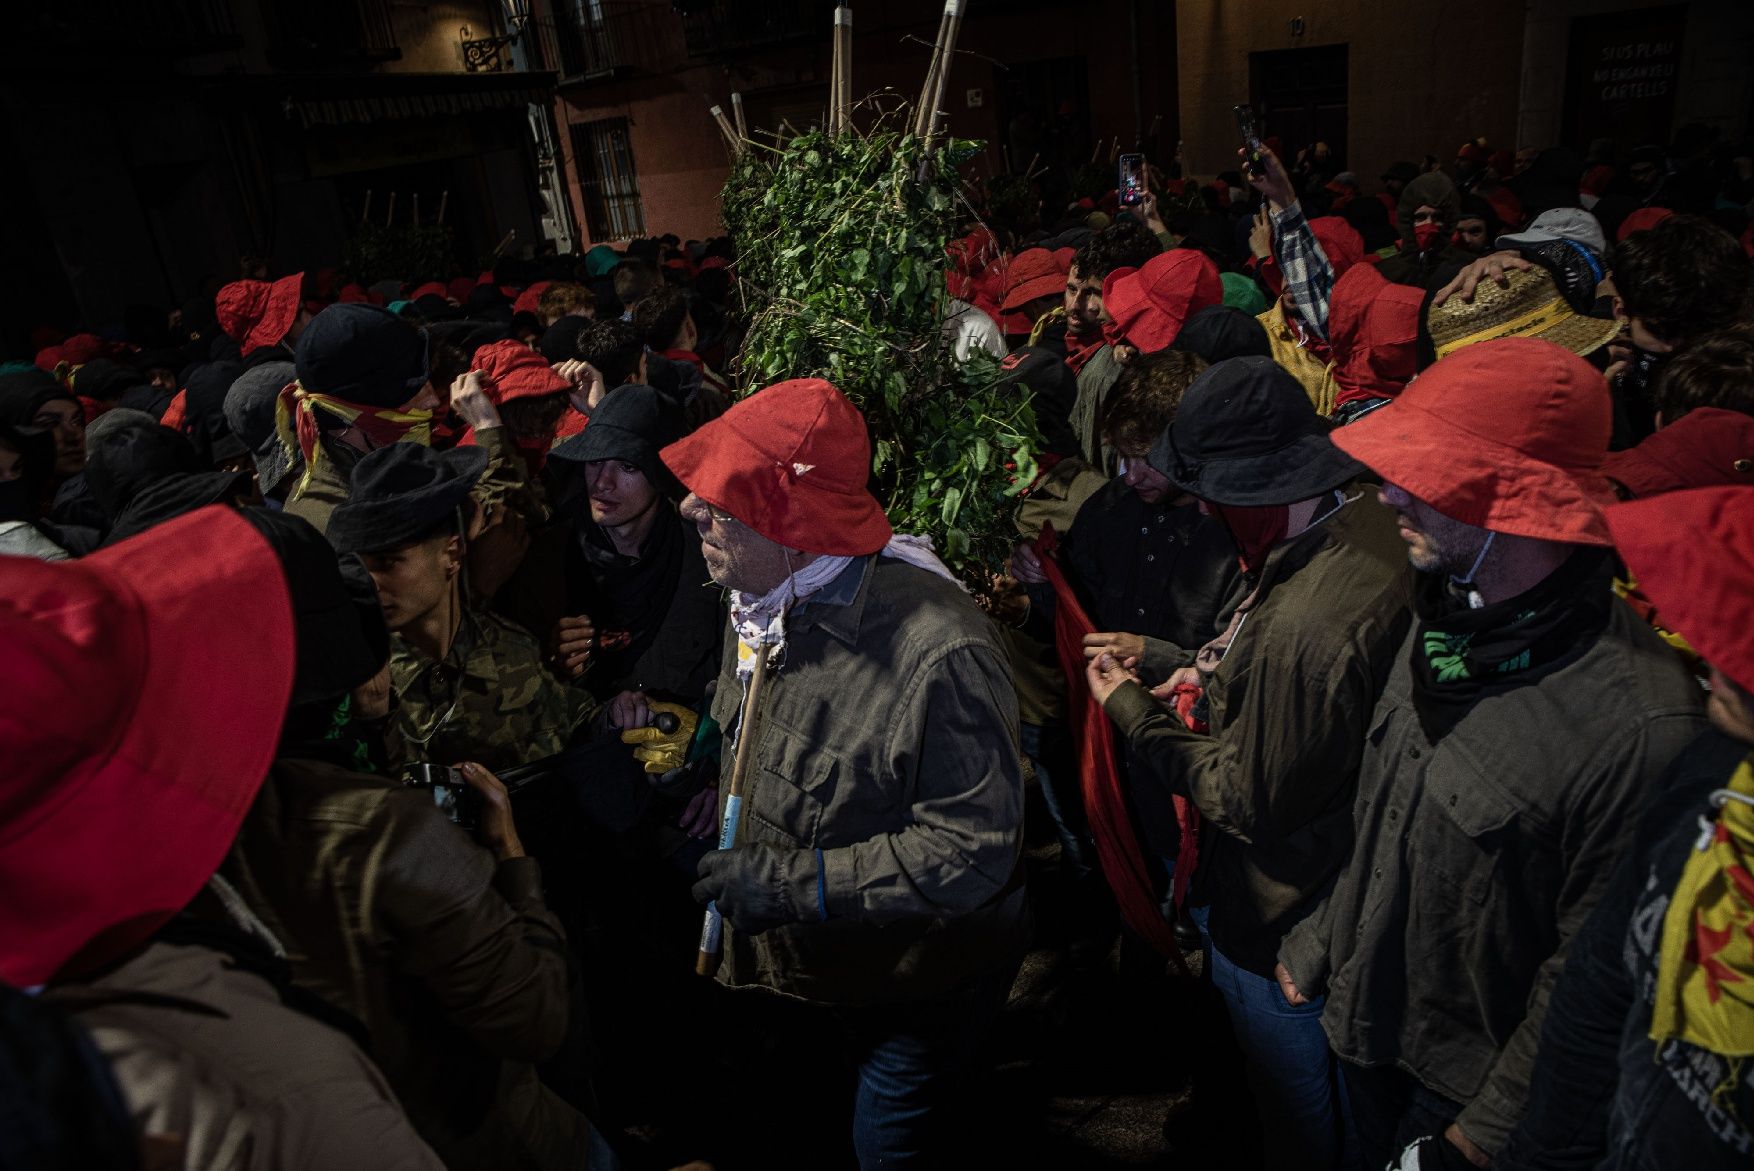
(1046, 285)
(284, 302)
(196, 612)
(729, 470)
(1476, 481)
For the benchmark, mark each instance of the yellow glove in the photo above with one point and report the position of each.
(662, 751)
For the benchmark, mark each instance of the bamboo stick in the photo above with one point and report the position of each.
(1030, 169)
(952, 26)
(923, 108)
(711, 938)
(1096, 152)
(444, 199)
(729, 131)
(391, 218)
(365, 213)
(843, 69)
(417, 209)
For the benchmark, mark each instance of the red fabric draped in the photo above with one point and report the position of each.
(1105, 805)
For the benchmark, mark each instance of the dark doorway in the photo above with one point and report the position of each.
(1044, 111)
(1301, 97)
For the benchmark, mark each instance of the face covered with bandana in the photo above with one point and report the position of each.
(1428, 228)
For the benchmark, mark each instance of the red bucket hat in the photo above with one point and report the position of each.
(514, 370)
(1150, 304)
(526, 300)
(147, 686)
(256, 313)
(792, 462)
(1033, 273)
(1704, 448)
(1373, 330)
(1506, 435)
(1693, 555)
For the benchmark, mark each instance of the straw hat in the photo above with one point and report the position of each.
(1529, 306)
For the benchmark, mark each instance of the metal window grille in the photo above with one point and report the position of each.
(603, 157)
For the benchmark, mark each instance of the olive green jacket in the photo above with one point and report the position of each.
(887, 739)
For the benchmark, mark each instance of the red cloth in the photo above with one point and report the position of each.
(1641, 220)
(49, 358)
(177, 413)
(1150, 304)
(1507, 434)
(81, 348)
(571, 423)
(459, 289)
(353, 293)
(1254, 528)
(1705, 448)
(527, 300)
(1033, 273)
(1595, 180)
(1373, 332)
(793, 462)
(1081, 347)
(1693, 555)
(513, 370)
(256, 313)
(1340, 242)
(1105, 804)
(1506, 206)
(145, 687)
(429, 289)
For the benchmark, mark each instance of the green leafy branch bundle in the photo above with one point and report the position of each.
(841, 259)
(403, 252)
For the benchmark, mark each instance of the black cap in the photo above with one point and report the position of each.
(22, 392)
(362, 354)
(632, 423)
(401, 493)
(560, 342)
(1246, 435)
(1220, 332)
(129, 454)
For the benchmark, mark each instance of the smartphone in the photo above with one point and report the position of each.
(1131, 182)
(454, 796)
(1251, 138)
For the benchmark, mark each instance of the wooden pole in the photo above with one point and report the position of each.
(737, 114)
(952, 26)
(391, 218)
(712, 928)
(444, 199)
(365, 213)
(923, 108)
(843, 91)
(729, 131)
(417, 209)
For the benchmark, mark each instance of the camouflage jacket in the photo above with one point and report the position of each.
(491, 700)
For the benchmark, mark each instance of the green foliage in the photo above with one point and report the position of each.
(840, 259)
(377, 253)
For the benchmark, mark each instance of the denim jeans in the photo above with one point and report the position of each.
(1289, 1066)
(1049, 749)
(911, 1059)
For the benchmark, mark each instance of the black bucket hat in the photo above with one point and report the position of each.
(633, 423)
(204, 398)
(131, 452)
(402, 492)
(338, 626)
(1218, 333)
(1247, 436)
(362, 354)
(249, 412)
(23, 392)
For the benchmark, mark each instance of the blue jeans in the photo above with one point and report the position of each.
(910, 1059)
(1049, 748)
(1289, 1067)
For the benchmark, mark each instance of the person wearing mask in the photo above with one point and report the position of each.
(876, 874)
(1476, 226)
(1426, 213)
(443, 948)
(1647, 1032)
(1527, 720)
(205, 1052)
(1288, 687)
(31, 398)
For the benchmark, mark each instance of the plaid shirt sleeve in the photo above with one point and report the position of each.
(1309, 277)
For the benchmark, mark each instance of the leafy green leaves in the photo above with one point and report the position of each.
(840, 260)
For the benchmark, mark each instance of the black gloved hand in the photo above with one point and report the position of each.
(1434, 1152)
(760, 887)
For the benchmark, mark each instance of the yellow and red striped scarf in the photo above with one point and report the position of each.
(1705, 974)
(295, 422)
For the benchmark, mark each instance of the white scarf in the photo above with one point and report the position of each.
(760, 620)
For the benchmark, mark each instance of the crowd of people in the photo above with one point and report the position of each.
(416, 689)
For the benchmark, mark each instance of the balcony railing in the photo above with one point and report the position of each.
(590, 39)
(714, 28)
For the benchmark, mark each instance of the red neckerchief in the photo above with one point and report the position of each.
(1081, 347)
(1255, 530)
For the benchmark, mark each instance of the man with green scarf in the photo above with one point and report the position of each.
(1525, 726)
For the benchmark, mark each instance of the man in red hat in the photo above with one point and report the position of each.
(876, 874)
(1649, 1031)
(1527, 721)
(1035, 285)
(109, 838)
